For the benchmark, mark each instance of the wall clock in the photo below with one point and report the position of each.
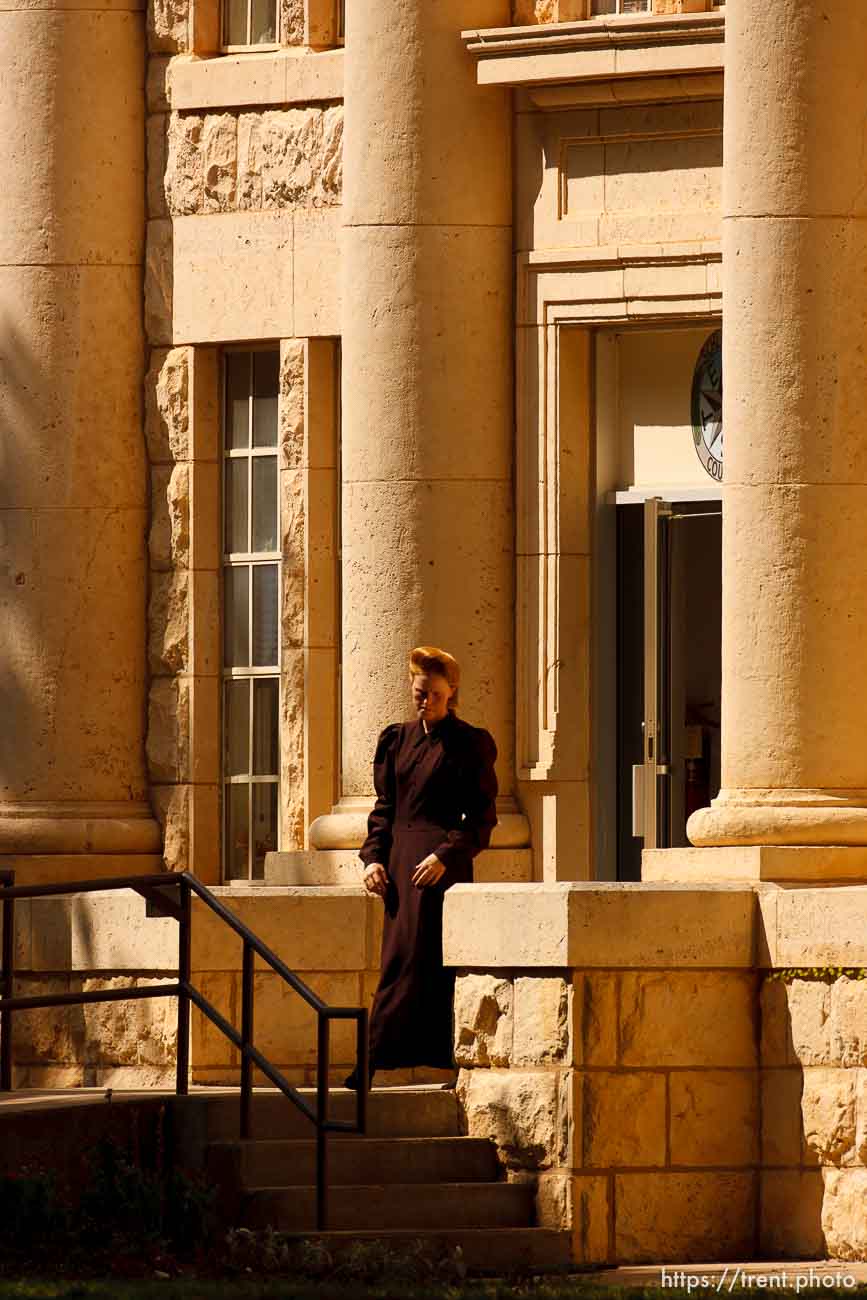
(707, 428)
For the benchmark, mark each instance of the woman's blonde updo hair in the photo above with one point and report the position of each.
(430, 659)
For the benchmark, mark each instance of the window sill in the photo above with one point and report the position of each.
(286, 76)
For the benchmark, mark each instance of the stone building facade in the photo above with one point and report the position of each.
(328, 333)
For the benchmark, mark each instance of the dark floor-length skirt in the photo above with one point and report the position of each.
(411, 1018)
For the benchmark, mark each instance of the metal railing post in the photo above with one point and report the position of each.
(323, 1066)
(7, 979)
(247, 1041)
(184, 974)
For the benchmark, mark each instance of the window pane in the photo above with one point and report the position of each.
(265, 503)
(264, 615)
(634, 6)
(266, 695)
(237, 728)
(236, 505)
(237, 388)
(264, 22)
(238, 831)
(236, 615)
(266, 378)
(264, 826)
(599, 7)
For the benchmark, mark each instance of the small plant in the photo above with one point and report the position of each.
(825, 974)
(364, 1261)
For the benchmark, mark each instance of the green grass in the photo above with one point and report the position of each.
(576, 1287)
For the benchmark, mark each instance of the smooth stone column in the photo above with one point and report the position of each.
(72, 476)
(427, 513)
(795, 363)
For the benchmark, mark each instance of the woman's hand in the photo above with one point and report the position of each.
(428, 871)
(375, 880)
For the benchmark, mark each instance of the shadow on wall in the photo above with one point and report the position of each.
(813, 1115)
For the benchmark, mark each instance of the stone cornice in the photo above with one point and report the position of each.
(599, 50)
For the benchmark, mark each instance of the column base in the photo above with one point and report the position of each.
(342, 867)
(345, 827)
(737, 864)
(782, 817)
(78, 827)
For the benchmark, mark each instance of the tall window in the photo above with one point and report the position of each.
(600, 7)
(251, 603)
(250, 22)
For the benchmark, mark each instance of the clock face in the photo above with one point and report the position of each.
(707, 429)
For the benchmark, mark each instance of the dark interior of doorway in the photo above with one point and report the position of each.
(692, 681)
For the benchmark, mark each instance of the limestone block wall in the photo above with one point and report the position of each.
(814, 1115)
(630, 1098)
(85, 943)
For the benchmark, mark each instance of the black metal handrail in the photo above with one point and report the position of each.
(156, 891)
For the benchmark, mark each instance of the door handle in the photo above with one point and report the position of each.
(638, 770)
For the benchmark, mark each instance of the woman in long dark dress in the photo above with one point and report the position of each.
(435, 809)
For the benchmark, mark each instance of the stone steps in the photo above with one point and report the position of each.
(421, 1207)
(290, 1162)
(485, 1250)
(391, 1112)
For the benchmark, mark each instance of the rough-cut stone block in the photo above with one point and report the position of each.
(331, 175)
(590, 1216)
(483, 1020)
(135, 1033)
(168, 26)
(844, 1221)
(782, 1124)
(518, 1112)
(50, 1035)
(714, 1117)
(861, 1117)
(168, 735)
(292, 520)
(848, 1021)
(291, 22)
(291, 406)
(828, 1109)
(554, 1201)
(293, 698)
(184, 179)
(683, 1218)
(542, 1007)
(791, 1214)
(684, 1018)
(776, 1046)
(595, 994)
(809, 1010)
(172, 807)
(168, 622)
(623, 1120)
(219, 147)
(167, 405)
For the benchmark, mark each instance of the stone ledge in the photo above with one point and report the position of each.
(256, 80)
(596, 924)
(342, 867)
(761, 862)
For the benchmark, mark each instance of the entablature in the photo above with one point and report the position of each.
(596, 61)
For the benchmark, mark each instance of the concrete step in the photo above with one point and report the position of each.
(391, 1112)
(288, 1162)
(485, 1250)
(429, 1207)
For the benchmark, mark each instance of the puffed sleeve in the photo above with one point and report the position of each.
(480, 808)
(377, 846)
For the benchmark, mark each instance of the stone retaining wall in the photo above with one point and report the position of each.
(630, 1098)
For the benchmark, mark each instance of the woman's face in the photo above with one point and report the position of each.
(430, 696)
